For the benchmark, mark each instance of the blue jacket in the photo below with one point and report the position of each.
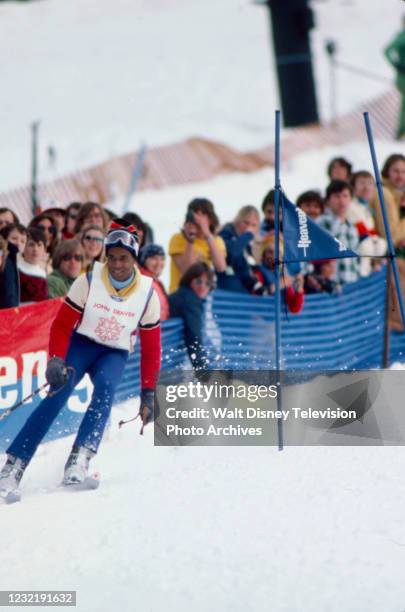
(239, 276)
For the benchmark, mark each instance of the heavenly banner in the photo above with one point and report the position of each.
(304, 240)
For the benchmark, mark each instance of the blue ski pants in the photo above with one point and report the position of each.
(105, 367)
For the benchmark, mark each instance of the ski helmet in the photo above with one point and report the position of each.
(122, 234)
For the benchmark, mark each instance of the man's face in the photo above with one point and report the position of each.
(339, 202)
(364, 188)
(34, 252)
(71, 264)
(396, 174)
(312, 208)
(120, 263)
(339, 172)
(268, 212)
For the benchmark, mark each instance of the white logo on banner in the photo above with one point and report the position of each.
(304, 241)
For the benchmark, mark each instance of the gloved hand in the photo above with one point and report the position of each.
(147, 405)
(56, 372)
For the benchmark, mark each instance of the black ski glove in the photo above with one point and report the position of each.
(56, 372)
(147, 405)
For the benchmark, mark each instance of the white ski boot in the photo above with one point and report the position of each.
(77, 468)
(10, 477)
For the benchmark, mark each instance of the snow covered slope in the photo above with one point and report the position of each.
(102, 76)
(180, 529)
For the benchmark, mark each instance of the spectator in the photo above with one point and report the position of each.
(67, 262)
(196, 242)
(293, 289)
(58, 215)
(144, 231)
(91, 213)
(238, 237)
(72, 213)
(339, 169)
(152, 260)
(110, 214)
(372, 247)
(393, 174)
(9, 279)
(322, 278)
(45, 223)
(267, 225)
(92, 240)
(7, 217)
(33, 282)
(15, 234)
(188, 303)
(335, 221)
(311, 203)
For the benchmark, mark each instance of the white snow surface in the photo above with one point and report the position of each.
(103, 76)
(219, 529)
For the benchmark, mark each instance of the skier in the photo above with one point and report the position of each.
(93, 333)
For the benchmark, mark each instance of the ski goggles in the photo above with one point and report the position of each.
(123, 238)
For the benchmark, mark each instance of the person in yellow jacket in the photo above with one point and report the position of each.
(197, 241)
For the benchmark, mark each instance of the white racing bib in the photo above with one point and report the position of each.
(110, 320)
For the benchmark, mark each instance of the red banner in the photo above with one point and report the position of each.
(24, 338)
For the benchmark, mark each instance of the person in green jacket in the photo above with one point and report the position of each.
(67, 262)
(395, 53)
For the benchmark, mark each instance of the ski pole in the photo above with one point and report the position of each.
(143, 418)
(33, 394)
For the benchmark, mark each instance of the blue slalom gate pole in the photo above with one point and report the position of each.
(391, 249)
(136, 175)
(277, 197)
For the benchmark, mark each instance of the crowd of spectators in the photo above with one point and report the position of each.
(42, 260)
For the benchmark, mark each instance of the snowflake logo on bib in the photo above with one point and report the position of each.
(108, 329)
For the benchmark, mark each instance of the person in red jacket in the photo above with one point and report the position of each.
(93, 333)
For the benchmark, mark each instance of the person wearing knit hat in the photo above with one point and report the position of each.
(94, 332)
(152, 260)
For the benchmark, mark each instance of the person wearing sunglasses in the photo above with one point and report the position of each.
(188, 303)
(92, 241)
(67, 262)
(72, 212)
(93, 333)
